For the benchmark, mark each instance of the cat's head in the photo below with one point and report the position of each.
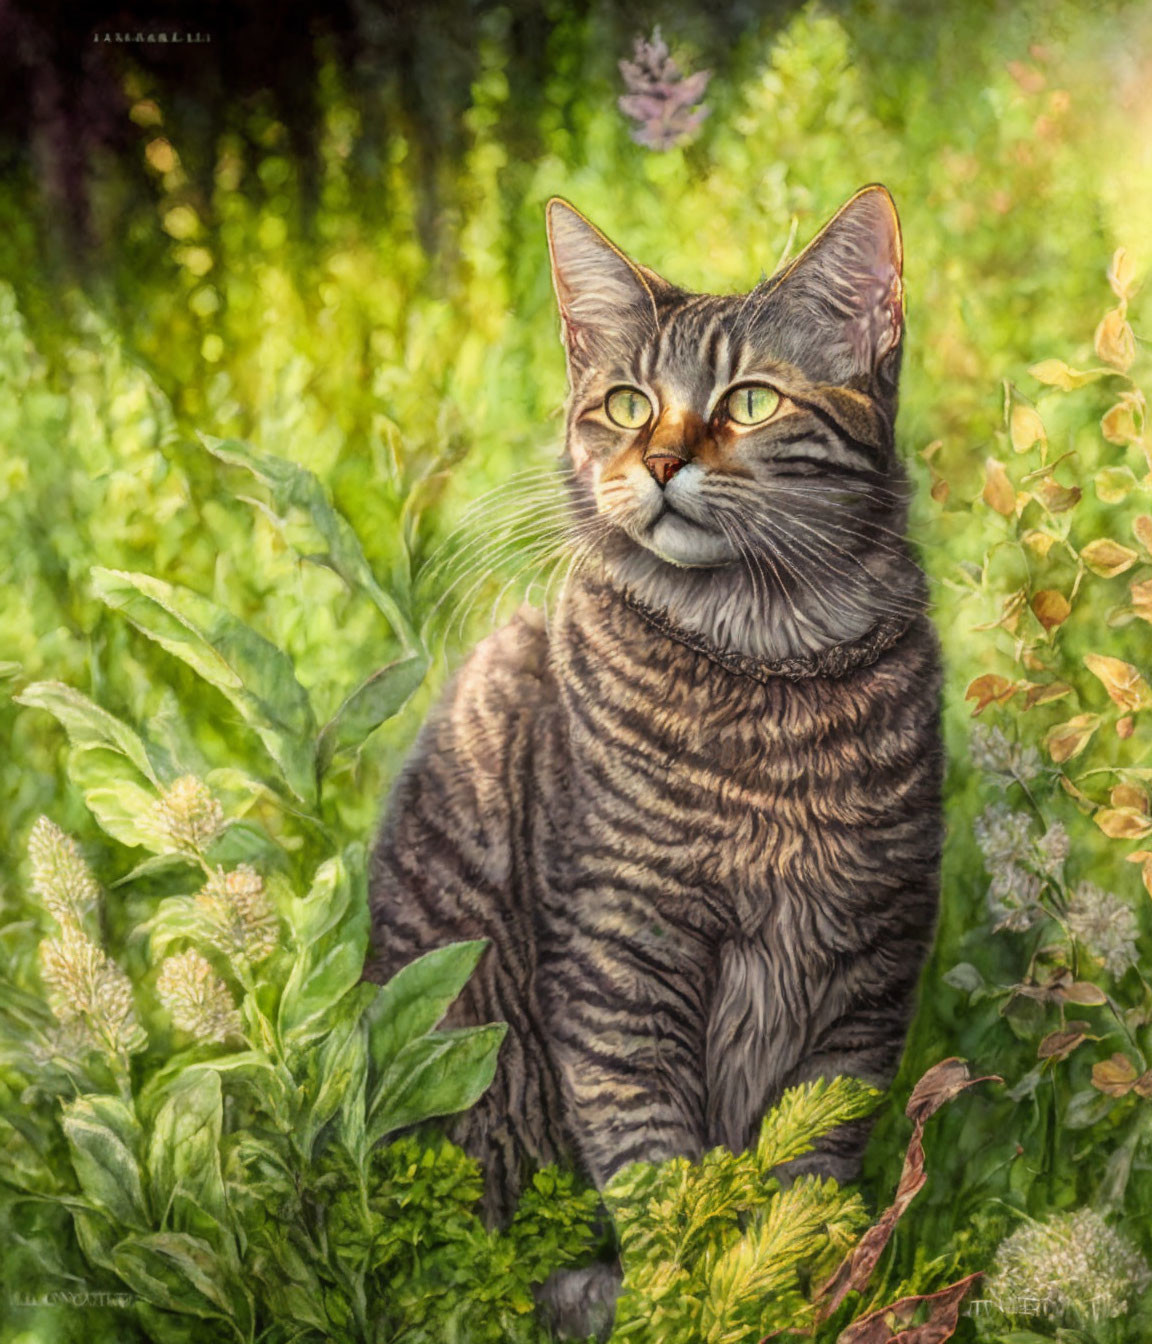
(749, 432)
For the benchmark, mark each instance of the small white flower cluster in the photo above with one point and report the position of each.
(1106, 925)
(189, 815)
(1019, 864)
(996, 755)
(236, 916)
(1072, 1265)
(199, 1001)
(90, 996)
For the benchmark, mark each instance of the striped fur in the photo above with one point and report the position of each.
(697, 809)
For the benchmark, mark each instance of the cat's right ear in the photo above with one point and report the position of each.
(605, 299)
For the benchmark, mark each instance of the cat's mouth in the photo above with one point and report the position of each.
(680, 539)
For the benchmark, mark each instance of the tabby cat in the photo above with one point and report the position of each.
(696, 811)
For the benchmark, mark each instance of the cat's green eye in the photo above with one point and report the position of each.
(752, 404)
(628, 408)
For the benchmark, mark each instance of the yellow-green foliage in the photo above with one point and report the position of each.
(183, 434)
(715, 1250)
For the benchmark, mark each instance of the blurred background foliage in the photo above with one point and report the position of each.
(323, 236)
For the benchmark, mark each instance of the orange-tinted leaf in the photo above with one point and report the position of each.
(1142, 598)
(1129, 795)
(1114, 1076)
(1051, 607)
(990, 689)
(1122, 275)
(1123, 823)
(940, 1084)
(1058, 498)
(1107, 557)
(1042, 693)
(1142, 530)
(1121, 680)
(999, 493)
(1143, 1085)
(1125, 727)
(1025, 428)
(1114, 341)
(1068, 739)
(886, 1325)
(1056, 373)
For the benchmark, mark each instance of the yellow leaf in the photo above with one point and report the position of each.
(1025, 428)
(1108, 558)
(1040, 543)
(1142, 529)
(999, 493)
(1114, 484)
(1125, 727)
(1068, 739)
(1051, 608)
(1114, 1076)
(1142, 598)
(1055, 373)
(1129, 795)
(990, 689)
(1122, 275)
(1114, 341)
(940, 488)
(1123, 823)
(1118, 424)
(1122, 681)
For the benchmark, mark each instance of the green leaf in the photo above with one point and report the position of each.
(253, 673)
(341, 1065)
(374, 701)
(293, 486)
(87, 725)
(412, 1003)
(104, 1138)
(114, 795)
(435, 1075)
(184, 1150)
(331, 930)
(183, 1273)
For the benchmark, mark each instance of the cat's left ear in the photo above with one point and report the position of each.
(847, 287)
(605, 298)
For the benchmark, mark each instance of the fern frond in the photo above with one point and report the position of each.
(759, 1274)
(806, 1113)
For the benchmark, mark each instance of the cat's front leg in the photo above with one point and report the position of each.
(781, 1017)
(864, 1040)
(625, 999)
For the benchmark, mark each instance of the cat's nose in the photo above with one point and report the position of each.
(663, 466)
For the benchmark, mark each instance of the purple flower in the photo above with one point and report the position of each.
(663, 102)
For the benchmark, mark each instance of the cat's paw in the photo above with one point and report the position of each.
(577, 1303)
